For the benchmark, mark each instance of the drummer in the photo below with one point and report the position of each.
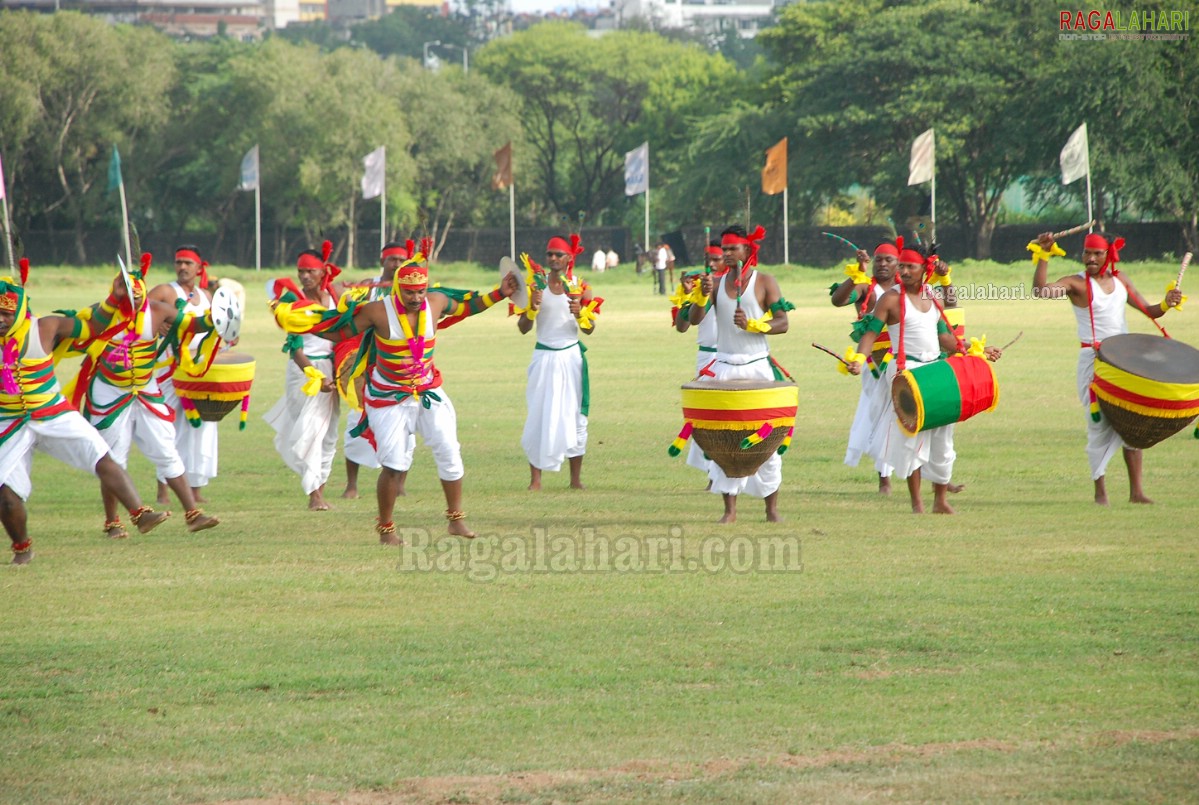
(705, 332)
(874, 399)
(1099, 306)
(117, 391)
(197, 446)
(747, 306)
(925, 336)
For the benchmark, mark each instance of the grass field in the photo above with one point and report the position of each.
(1034, 647)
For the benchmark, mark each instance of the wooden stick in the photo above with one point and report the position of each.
(848, 243)
(1073, 230)
(830, 352)
(1009, 343)
(1186, 261)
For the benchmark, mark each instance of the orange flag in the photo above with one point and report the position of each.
(503, 168)
(774, 175)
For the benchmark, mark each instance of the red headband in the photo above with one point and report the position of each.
(189, 254)
(729, 239)
(887, 248)
(1112, 249)
(557, 244)
(395, 251)
(714, 251)
(310, 261)
(414, 276)
(911, 256)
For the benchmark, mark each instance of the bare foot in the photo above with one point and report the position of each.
(351, 493)
(917, 507)
(1100, 500)
(943, 508)
(199, 498)
(773, 517)
(150, 520)
(884, 486)
(199, 521)
(114, 530)
(953, 489)
(459, 528)
(317, 503)
(577, 485)
(729, 517)
(22, 557)
(163, 500)
(1139, 499)
(535, 486)
(387, 534)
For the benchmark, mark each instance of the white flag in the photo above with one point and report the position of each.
(376, 171)
(1, 179)
(923, 161)
(636, 170)
(1075, 158)
(249, 170)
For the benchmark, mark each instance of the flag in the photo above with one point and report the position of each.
(249, 170)
(774, 175)
(375, 178)
(114, 170)
(923, 160)
(636, 170)
(1075, 158)
(503, 168)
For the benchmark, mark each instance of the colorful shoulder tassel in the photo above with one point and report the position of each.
(756, 438)
(680, 441)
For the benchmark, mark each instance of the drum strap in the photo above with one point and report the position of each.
(1094, 344)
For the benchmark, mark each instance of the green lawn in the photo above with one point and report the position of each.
(1032, 647)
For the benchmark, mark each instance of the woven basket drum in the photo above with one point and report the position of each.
(1147, 386)
(219, 390)
(942, 392)
(723, 413)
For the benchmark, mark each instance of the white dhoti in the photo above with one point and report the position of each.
(197, 446)
(67, 437)
(873, 414)
(930, 451)
(357, 448)
(769, 477)
(555, 428)
(306, 427)
(1102, 440)
(147, 424)
(395, 428)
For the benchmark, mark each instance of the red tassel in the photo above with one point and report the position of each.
(147, 259)
(426, 248)
(24, 265)
(899, 242)
(326, 251)
(410, 245)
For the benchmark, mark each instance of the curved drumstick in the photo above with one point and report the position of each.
(830, 352)
(1074, 230)
(1009, 343)
(848, 243)
(1186, 261)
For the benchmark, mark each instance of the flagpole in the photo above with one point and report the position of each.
(125, 228)
(786, 231)
(647, 211)
(383, 204)
(258, 226)
(512, 220)
(12, 266)
(1090, 217)
(932, 211)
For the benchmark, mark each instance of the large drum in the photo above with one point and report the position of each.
(218, 391)
(1147, 386)
(740, 423)
(943, 392)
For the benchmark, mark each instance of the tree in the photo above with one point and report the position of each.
(587, 101)
(860, 80)
(93, 85)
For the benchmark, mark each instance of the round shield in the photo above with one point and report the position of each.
(509, 266)
(226, 314)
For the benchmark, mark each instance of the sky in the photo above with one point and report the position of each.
(542, 6)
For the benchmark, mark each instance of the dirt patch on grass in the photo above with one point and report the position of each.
(518, 786)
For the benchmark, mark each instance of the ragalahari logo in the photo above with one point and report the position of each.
(1094, 24)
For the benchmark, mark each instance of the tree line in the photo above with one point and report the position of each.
(849, 83)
